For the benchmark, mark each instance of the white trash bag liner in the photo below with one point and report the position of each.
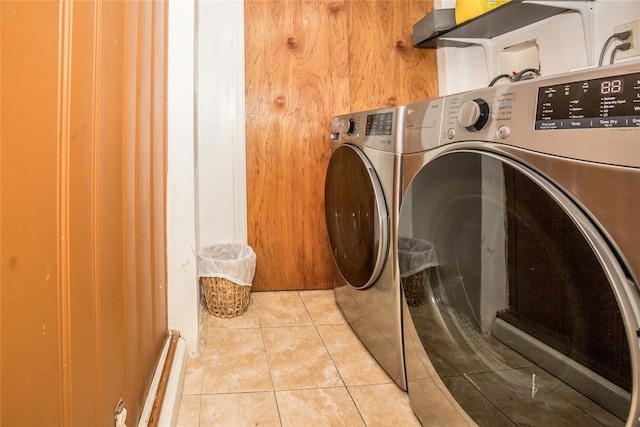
(232, 261)
(415, 255)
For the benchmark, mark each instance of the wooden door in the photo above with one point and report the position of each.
(307, 61)
(82, 156)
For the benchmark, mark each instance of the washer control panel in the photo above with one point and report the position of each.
(381, 129)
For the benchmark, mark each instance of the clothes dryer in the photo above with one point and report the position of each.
(529, 195)
(362, 194)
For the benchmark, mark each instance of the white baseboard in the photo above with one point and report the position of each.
(171, 402)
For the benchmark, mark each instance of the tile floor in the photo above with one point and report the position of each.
(289, 360)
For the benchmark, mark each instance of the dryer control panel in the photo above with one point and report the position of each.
(596, 103)
(591, 115)
(422, 125)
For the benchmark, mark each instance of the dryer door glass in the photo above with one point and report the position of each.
(521, 316)
(356, 216)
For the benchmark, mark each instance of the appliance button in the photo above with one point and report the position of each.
(451, 133)
(503, 132)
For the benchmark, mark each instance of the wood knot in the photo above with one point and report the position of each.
(335, 6)
(392, 101)
(280, 101)
(401, 44)
(292, 42)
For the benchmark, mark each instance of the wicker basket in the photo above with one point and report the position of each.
(225, 298)
(415, 287)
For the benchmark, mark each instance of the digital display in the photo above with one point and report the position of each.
(608, 87)
(379, 124)
(597, 103)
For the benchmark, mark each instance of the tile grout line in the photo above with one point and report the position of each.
(266, 356)
(204, 312)
(341, 378)
(315, 325)
(208, 335)
(272, 390)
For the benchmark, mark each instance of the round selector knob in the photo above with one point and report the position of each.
(347, 126)
(473, 115)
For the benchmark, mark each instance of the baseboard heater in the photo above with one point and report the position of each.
(608, 395)
(163, 401)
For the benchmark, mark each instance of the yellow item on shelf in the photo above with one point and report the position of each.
(468, 9)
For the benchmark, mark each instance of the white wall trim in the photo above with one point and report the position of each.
(182, 289)
(220, 133)
(206, 146)
(240, 156)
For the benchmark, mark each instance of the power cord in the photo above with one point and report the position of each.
(621, 47)
(522, 75)
(501, 76)
(620, 36)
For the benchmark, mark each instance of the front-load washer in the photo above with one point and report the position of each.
(362, 194)
(529, 196)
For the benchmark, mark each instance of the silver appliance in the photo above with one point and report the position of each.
(362, 197)
(529, 194)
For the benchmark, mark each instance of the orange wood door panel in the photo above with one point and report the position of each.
(307, 61)
(158, 171)
(29, 270)
(81, 335)
(134, 384)
(82, 153)
(108, 250)
(141, 197)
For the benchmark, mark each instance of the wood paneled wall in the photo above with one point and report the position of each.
(384, 68)
(307, 61)
(83, 307)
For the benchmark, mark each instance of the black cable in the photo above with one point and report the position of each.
(519, 76)
(620, 36)
(501, 76)
(604, 48)
(623, 47)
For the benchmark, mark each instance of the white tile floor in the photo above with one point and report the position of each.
(290, 360)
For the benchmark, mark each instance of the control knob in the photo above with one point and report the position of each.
(473, 115)
(347, 126)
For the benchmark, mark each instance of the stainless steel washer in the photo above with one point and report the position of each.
(530, 195)
(362, 194)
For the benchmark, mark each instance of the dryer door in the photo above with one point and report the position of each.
(529, 310)
(357, 217)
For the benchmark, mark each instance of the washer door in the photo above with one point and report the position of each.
(357, 217)
(529, 309)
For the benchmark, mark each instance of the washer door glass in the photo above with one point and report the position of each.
(356, 215)
(524, 312)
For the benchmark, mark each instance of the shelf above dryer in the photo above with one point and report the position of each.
(501, 20)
